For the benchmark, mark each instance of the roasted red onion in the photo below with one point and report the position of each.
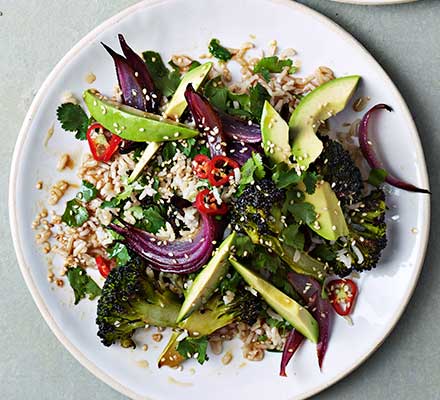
(310, 290)
(241, 152)
(181, 256)
(207, 121)
(240, 130)
(370, 155)
(293, 341)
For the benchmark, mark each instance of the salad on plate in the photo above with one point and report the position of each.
(219, 207)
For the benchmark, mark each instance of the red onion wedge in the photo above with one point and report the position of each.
(293, 341)
(242, 152)
(181, 256)
(369, 154)
(310, 290)
(207, 121)
(237, 129)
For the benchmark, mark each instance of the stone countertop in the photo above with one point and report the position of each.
(35, 34)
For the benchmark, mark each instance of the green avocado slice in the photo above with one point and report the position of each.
(207, 280)
(319, 105)
(330, 222)
(288, 308)
(132, 124)
(275, 135)
(196, 76)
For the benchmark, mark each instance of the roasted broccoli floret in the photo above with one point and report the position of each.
(253, 213)
(337, 167)
(130, 301)
(362, 248)
(252, 210)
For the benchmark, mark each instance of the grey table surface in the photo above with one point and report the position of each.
(35, 34)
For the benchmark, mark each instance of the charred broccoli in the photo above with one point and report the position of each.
(253, 213)
(337, 167)
(130, 301)
(362, 248)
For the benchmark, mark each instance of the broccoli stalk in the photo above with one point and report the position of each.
(362, 248)
(130, 301)
(253, 213)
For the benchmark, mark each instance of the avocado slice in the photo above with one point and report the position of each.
(319, 105)
(288, 308)
(132, 124)
(170, 357)
(196, 76)
(330, 222)
(207, 280)
(275, 135)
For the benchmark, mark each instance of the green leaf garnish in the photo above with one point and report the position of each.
(73, 119)
(218, 51)
(82, 284)
(119, 253)
(164, 79)
(87, 192)
(190, 347)
(377, 176)
(75, 213)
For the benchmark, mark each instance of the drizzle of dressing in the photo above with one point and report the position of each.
(178, 383)
(143, 363)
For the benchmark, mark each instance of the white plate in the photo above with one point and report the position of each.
(374, 2)
(183, 26)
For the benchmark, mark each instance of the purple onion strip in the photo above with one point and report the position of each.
(293, 341)
(239, 130)
(310, 290)
(370, 155)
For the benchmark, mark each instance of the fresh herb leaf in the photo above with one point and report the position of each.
(243, 246)
(309, 180)
(377, 176)
(194, 347)
(73, 119)
(169, 150)
(194, 64)
(75, 213)
(303, 212)
(231, 283)
(119, 253)
(257, 96)
(285, 176)
(262, 338)
(293, 237)
(271, 64)
(251, 169)
(218, 51)
(82, 284)
(114, 235)
(324, 253)
(87, 192)
(263, 260)
(152, 219)
(164, 79)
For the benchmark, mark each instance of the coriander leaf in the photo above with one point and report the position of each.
(265, 73)
(87, 192)
(257, 96)
(190, 149)
(292, 196)
(243, 246)
(324, 253)
(119, 252)
(377, 176)
(152, 219)
(194, 347)
(218, 51)
(303, 212)
(194, 64)
(271, 64)
(309, 180)
(114, 235)
(263, 260)
(169, 150)
(285, 176)
(164, 79)
(293, 237)
(216, 93)
(293, 70)
(231, 283)
(73, 119)
(82, 284)
(75, 213)
(251, 169)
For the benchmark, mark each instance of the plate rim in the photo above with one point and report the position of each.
(24, 131)
(374, 2)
